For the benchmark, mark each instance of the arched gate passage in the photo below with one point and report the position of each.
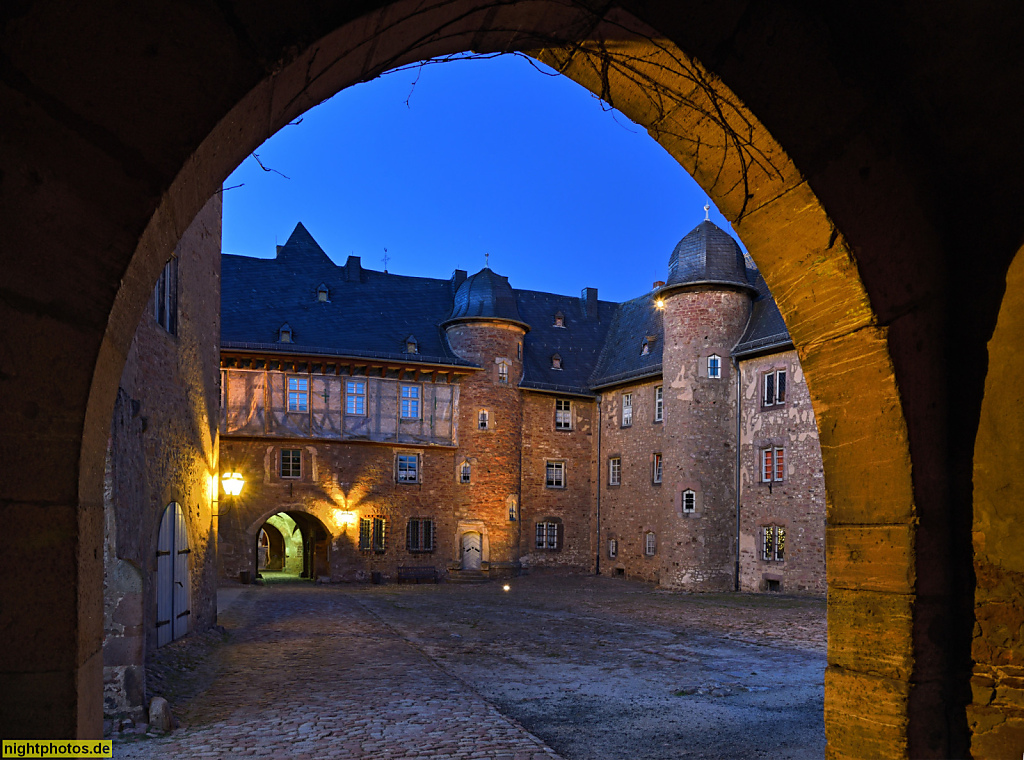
(109, 155)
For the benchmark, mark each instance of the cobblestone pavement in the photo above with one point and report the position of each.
(595, 667)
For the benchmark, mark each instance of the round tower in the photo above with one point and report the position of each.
(706, 302)
(485, 328)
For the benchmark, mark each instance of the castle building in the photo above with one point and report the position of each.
(389, 425)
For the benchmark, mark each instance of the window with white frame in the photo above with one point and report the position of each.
(659, 404)
(419, 535)
(650, 543)
(408, 468)
(298, 394)
(410, 402)
(291, 463)
(613, 548)
(773, 464)
(503, 366)
(715, 367)
(372, 534)
(656, 468)
(482, 419)
(689, 501)
(627, 409)
(563, 414)
(615, 471)
(773, 543)
(355, 397)
(549, 535)
(773, 388)
(465, 471)
(555, 474)
(165, 297)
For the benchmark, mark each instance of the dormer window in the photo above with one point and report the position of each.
(648, 344)
(323, 292)
(284, 334)
(559, 319)
(411, 345)
(556, 362)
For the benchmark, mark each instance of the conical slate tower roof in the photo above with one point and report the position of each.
(485, 295)
(708, 256)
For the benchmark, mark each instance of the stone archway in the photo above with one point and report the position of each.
(110, 155)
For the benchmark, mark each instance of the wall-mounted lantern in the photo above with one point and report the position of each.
(232, 482)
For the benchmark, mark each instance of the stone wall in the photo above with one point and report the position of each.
(638, 505)
(798, 502)
(572, 505)
(697, 550)
(163, 449)
(339, 484)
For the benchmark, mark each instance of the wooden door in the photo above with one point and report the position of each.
(471, 543)
(173, 585)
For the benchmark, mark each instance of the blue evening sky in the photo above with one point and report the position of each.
(489, 156)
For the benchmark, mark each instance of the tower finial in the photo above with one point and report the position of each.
(707, 210)
(487, 258)
(385, 260)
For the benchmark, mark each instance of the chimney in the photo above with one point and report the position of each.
(589, 299)
(353, 269)
(458, 277)
(659, 284)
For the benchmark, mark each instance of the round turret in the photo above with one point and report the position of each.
(707, 256)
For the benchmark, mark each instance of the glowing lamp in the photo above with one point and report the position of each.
(344, 517)
(660, 303)
(506, 587)
(233, 483)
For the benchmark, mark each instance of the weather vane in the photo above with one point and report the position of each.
(385, 260)
(487, 258)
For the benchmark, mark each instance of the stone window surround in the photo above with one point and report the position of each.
(556, 466)
(411, 458)
(773, 523)
(615, 470)
(483, 420)
(774, 371)
(769, 456)
(698, 499)
(464, 474)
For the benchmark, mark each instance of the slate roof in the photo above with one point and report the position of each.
(621, 358)
(766, 330)
(485, 294)
(708, 255)
(370, 314)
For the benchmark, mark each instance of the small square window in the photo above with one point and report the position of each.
(372, 534)
(563, 414)
(659, 404)
(715, 367)
(291, 463)
(408, 468)
(555, 474)
(355, 397)
(419, 535)
(773, 465)
(410, 402)
(549, 535)
(298, 394)
(627, 409)
(656, 468)
(773, 388)
(773, 543)
(615, 471)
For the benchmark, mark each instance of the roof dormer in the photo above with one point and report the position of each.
(284, 334)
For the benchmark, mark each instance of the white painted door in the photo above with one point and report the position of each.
(173, 588)
(471, 551)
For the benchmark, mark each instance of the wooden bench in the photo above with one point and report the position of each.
(417, 573)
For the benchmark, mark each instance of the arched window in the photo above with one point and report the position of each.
(556, 361)
(465, 471)
(689, 501)
(613, 548)
(715, 367)
(513, 508)
(650, 543)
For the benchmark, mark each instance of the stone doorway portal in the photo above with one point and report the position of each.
(471, 550)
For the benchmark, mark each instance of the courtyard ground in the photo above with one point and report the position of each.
(578, 667)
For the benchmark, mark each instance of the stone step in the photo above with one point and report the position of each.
(467, 576)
